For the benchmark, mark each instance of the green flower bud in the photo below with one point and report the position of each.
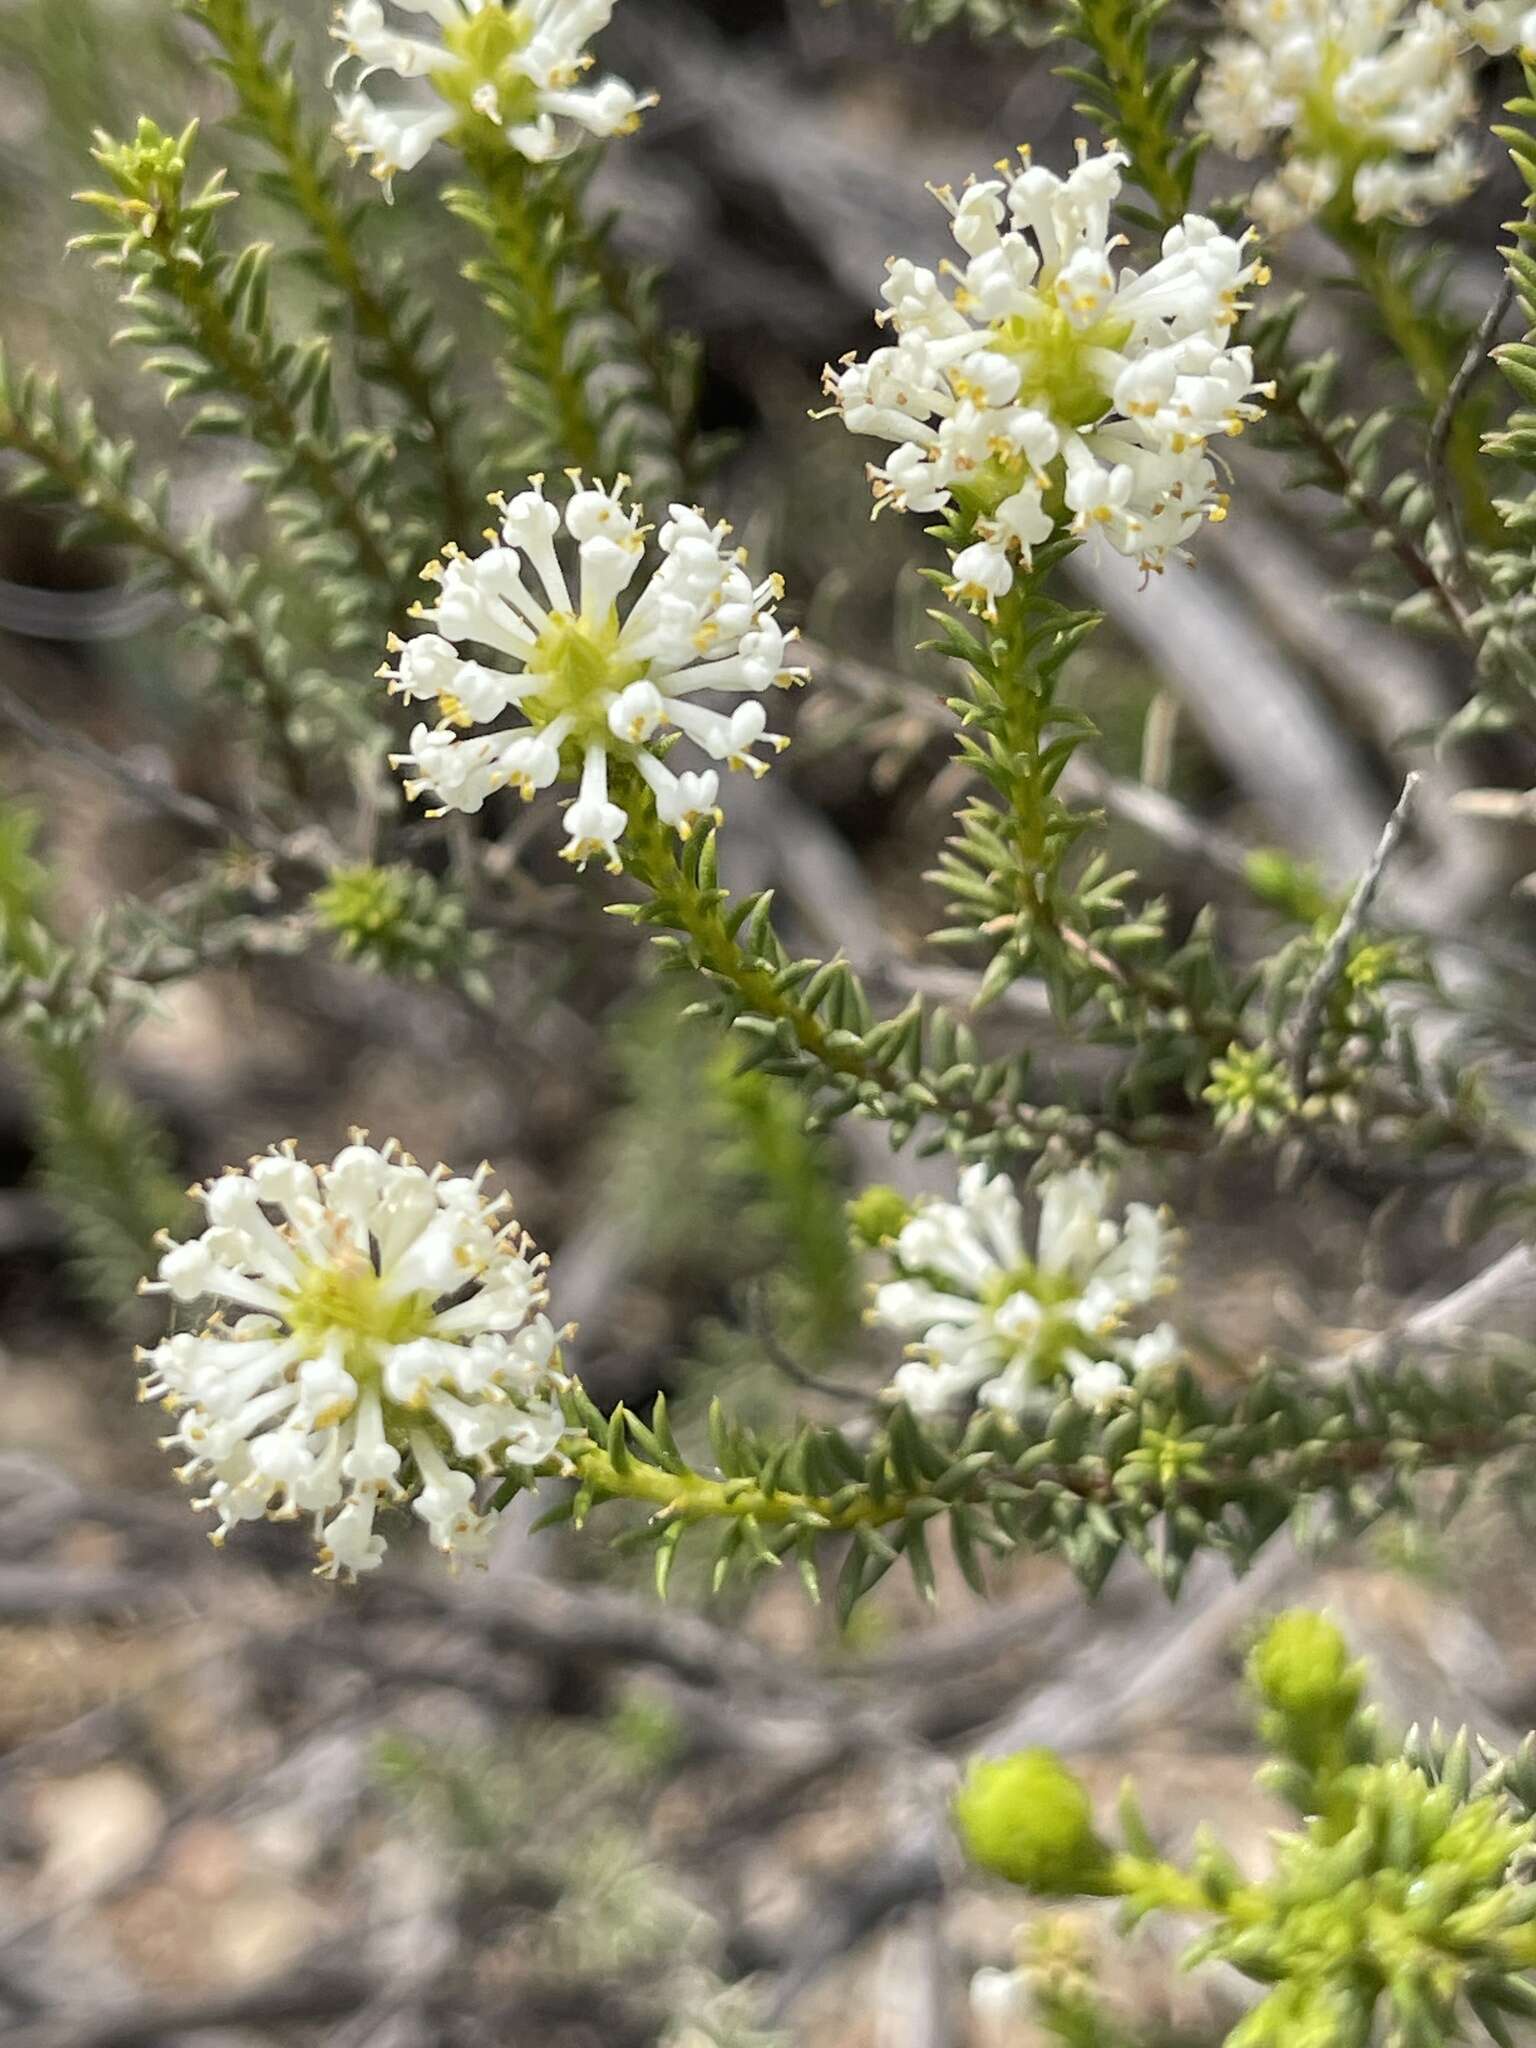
(877, 1216)
(1249, 1086)
(1373, 962)
(149, 171)
(1300, 1667)
(1028, 1819)
(396, 921)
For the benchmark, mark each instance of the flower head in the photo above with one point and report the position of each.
(1495, 25)
(989, 1313)
(1365, 97)
(1050, 388)
(376, 1338)
(590, 685)
(515, 63)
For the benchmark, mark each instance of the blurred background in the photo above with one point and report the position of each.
(238, 1807)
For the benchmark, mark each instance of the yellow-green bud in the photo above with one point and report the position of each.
(1028, 1819)
(152, 167)
(1300, 1667)
(878, 1215)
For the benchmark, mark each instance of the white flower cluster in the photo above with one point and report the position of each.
(516, 65)
(588, 685)
(1495, 25)
(377, 1338)
(1014, 1327)
(1048, 386)
(1366, 97)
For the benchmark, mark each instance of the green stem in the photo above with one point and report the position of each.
(649, 348)
(691, 1497)
(1024, 717)
(655, 863)
(1153, 1884)
(267, 98)
(1110, 30)
(1383, 524)
(104, 1163)
(425, 408)
(886, 1088)
(1039, 822)
(1466, 473)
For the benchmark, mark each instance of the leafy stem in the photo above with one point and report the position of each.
(1375, 250)
(244, 359)
(693, 1497)
(1205, 1485)
(525, 215)
(1139, 102)
(1177, 1469)
(668, 451)
(260, 70)
(1290, 405)
(811, 1020)
(1006, 870)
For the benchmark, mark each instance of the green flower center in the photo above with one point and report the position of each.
(1320, 128)
(483, 49)
(352, 1298)
(580, 672)
(1058, 1331)
(1053, 362)
(1049, 1289)
(1057, 376)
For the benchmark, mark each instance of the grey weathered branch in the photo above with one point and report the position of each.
(1314, 999)
(306, 1995)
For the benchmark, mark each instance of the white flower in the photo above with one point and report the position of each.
(1049, 387)
(1364, 98)
(516, 63)
(1014, 1325)
(377, 1339)
(1002, 1998)
(1495, 25)
(590, 686)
